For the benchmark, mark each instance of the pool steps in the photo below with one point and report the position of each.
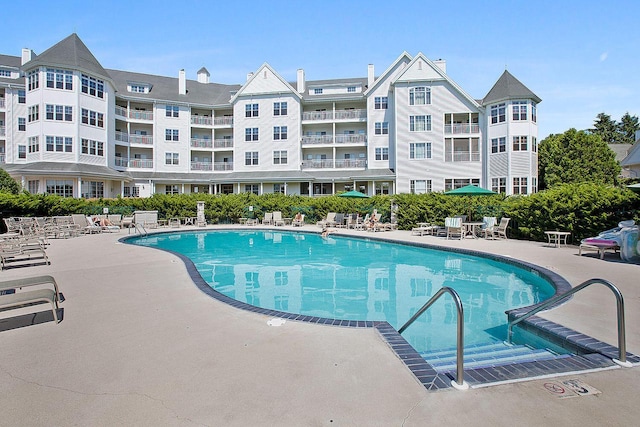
(487, 355)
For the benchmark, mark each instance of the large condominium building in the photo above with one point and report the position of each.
(70, 127)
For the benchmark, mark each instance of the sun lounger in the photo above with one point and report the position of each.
(20, 299)
(598, 245)
(19, 251)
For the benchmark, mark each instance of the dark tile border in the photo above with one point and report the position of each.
(591, 353)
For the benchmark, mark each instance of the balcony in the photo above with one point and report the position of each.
(317, 115)
(222, 166)
(2, 104)
(351, 163)
(201, 120)
(318, 164)
(201, 166)
(317, 139)
(201, 143)
(141, 139)
(462, 156)
(3, 131)
(134, 163)
(358, 115)
(223, 121)
(223, 143)
(461, 128)
(351, 139)
(134, 114)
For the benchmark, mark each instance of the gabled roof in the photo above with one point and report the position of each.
(259, 72)
(69, 53)
(10, 61)
(633, 156)
(404, 55)
(439, 72)
(65, 169)
(508, 87)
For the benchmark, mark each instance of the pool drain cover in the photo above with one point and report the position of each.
(276, 322)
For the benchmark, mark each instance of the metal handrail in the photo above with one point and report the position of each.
(459, 382)
(139, 228)
(622, 347)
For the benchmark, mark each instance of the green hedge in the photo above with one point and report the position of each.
(583, 209)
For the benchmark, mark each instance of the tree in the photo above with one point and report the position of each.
(627, 128)
(576, 156)
(8, 184)
(606, 128)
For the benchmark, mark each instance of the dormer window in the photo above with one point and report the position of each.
(5, 73)
(317, 91)
(139, 88)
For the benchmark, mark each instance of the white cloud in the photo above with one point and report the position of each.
(603, 56)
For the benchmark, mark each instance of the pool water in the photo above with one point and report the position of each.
(358, 279)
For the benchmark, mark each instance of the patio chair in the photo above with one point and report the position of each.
(298, 222)
(453, 227)
(329, 221)
(85, 224)
(488, 225)
(268, 218)
(277, 218)
(500, 230)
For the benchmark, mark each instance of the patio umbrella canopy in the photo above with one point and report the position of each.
(634, 187)
(354, 194)
(470, 190)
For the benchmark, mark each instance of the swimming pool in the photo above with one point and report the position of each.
(360, 279)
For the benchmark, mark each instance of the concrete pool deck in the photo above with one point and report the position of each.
(139, 344)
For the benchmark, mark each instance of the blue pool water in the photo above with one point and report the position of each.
(358, 279)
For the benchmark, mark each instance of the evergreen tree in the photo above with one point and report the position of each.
(8, 184)
(576, 156)
(606, 128)
(627, 128)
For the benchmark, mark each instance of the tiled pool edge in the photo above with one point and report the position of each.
(599, 353)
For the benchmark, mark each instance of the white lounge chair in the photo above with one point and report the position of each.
(277, 218)
(500, 230)
(298, 222)
(453, 227)
(268, 218)
(329, 221)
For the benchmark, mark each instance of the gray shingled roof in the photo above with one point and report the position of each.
(69, 53)
(10, 61)
(333, 82)
(508, 87)
(59, 168)
(264, 176)
(166, 89)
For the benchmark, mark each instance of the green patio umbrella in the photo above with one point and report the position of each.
(354, 194)
(470, 190)
(634, 187)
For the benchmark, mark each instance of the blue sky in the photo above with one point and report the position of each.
(580, 57)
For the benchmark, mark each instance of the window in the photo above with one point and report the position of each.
(33, 186)
(5, 73)
(92, 189)
(92, 118)
(60, 144)
(382, 153)
(68, 113)
(280, 157)
(382, 128)
(381, 102)
(519, 109)
(499, 145)
(520, 185)
(419, 123)
(317, 91)
(34, 113)
(351, 89)
(420, 150)
(279, 132)
(278, 188)
(450, 184)
(22, 97)
(420, 186)
(171, 189)
(48, 111)
(498, 113)
(171, 158)
(172, 110)
(94, 148)
(33, 80)
(250, 158)
(59, 112)
(95, 87)
(62, 188)
(59, 79)
(132, 191)
(34, 144)
(251, 188)
(279, 108)
(251, 134)
(534, 114)
(419, 95)
(499, 185)
(22, 124)
(534, 144)
(138, 89)
(171, 135)
(22, 151)
(519, 143)
(251, 110)
(534, 184)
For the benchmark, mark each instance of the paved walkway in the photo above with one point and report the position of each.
(141, 345)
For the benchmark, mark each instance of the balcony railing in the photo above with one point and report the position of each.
(3, 131)
(223, 166)
(141, 139)
(351, 163)
(223, 143)
(317, 139)
(318, 164)
(134, 163)
(201, 120)
(223, 121)
(317, 115)
(462, 156)
(457, 128)
(350, 139)
(121, 111)
(351, 114)
(201, 143)
(201, 166)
